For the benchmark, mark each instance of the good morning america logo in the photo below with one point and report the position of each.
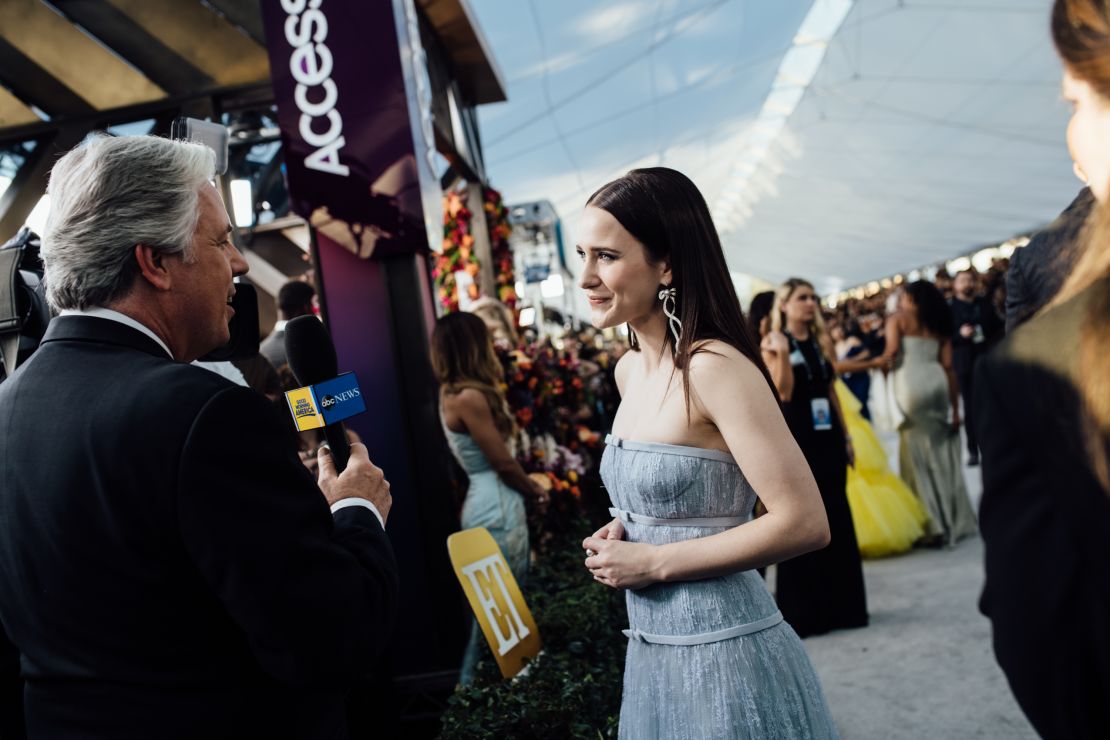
(311, 64)
(329, 402)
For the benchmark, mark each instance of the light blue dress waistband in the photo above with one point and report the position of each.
(707, 637)
(651, 521)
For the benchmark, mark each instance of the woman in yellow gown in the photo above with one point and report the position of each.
(888, 518)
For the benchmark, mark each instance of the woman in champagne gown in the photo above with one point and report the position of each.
(925, 391)
(698, 433)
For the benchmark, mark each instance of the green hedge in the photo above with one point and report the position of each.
(574, 689)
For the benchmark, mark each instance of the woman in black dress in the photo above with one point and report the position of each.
(822, 590)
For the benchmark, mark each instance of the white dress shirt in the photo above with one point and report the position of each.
(107, 313)
(122, 318)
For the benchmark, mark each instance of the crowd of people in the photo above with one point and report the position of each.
(927, 358)
(148, 587)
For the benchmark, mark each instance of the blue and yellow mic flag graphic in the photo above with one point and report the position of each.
(325, 403)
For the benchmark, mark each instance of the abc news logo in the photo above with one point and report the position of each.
(328, 402)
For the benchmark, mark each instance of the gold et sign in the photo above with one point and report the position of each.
(496, 599)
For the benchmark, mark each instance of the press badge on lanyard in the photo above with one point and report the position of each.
(820, 408)
(822, 414)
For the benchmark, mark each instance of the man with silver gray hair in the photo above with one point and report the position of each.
(168, 568)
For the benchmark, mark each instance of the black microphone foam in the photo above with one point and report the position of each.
(310, 351)
(311, 356)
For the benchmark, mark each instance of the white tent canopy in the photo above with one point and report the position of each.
(840, 141)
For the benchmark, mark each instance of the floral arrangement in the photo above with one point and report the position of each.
(556, 446)
(546, 392)
(457, 254)
(458, 250)
(497, 219)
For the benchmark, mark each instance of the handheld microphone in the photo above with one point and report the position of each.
(311, 355)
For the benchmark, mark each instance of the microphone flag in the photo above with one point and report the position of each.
(330, 402)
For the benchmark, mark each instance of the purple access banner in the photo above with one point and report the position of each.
(354, 105)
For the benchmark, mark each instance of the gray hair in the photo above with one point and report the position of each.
(107, 196)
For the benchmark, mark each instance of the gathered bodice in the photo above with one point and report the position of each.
(674, 482)
(670, 482)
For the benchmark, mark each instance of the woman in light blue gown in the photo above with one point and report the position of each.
(479, 427)
(698, 434)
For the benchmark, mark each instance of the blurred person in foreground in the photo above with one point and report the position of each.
(1039, 269)
(919, 348)
(168, 568)
(698, 434)
(480, 431)
(975, 325)
(1044, 411)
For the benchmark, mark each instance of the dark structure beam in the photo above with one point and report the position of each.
(246, 14)
(132, 42)
(34, 85)
(475, 68)
(194, 105)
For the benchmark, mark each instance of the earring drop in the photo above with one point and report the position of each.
(667, 295)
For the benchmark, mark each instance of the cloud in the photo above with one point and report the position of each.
(612, 22)
(554, 65)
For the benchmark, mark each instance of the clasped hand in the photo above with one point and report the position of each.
(617, 563)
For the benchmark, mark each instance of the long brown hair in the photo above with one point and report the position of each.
(463, 357)
(664, 211)
(1081, 32)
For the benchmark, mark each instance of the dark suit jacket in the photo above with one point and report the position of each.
(1037, 270)
(1045, 522)
(168, 568)
(965, 351)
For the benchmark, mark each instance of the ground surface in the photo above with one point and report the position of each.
(924, 667)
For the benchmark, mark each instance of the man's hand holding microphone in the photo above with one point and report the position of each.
(344, 470)
(361, 479)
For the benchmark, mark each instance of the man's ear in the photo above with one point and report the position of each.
(152, 267)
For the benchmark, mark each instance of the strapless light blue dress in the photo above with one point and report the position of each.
(710, 658)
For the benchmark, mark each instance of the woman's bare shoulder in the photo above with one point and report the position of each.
(463, 398)
(714, 361)
(723, 379)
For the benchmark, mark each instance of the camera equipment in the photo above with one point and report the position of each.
(212, 135)
(23, 310)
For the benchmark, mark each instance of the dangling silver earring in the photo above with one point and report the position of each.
(667, 295)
